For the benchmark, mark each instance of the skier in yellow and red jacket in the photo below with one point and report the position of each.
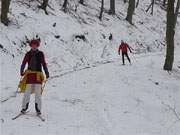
(36, 60)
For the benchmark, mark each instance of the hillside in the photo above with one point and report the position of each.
(89, 91)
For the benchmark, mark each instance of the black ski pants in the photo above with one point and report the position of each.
(125, 54)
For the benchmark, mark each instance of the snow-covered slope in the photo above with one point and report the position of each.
(109, 99)
(63, 51)
(89, 92)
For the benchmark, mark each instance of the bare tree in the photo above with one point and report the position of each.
(151, 6)
(65, 5)
(137, 3)
(130, 11)
(4, 11)
(81, 2)
(177, 11)
(125, 1)
(152, 9)
(170, 32)
(44, 5)
(164, 3)
(112, 7)
(102, 9)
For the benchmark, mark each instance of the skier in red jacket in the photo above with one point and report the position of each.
(36, 61)
(124, 49)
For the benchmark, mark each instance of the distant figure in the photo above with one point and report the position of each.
(124, 49)
(110, 36)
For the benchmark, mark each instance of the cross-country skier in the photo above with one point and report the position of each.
(33, 76)
(124, 49)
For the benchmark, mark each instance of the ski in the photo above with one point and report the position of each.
(40, 117)
(2, 101)
(20, 114)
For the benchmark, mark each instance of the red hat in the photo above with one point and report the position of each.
(34, 41)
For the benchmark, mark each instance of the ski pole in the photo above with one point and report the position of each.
(44, 84)
(134, 58)
(16, 92)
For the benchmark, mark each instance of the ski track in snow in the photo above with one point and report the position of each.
(107, 100)
(90, 92)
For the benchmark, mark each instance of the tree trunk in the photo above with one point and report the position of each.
(164, 3)
(176, 12)
(130, 12)
(4, 11)
(152, 9)
(151, 6)
(112, 7)
(81, 2)
(44, 5)
(102, 10)
(65, 5)
(170, 36)
(137, 3)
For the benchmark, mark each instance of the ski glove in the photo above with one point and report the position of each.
(22, 74)
(47, 76)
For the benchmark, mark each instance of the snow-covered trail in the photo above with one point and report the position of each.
(111, 99)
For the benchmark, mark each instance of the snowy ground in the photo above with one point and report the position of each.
(110, 99)
(90, 92)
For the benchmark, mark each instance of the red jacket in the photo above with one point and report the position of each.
(124, 47)
(40, 62)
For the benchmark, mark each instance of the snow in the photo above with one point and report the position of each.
(107, 99)
(90, 92)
